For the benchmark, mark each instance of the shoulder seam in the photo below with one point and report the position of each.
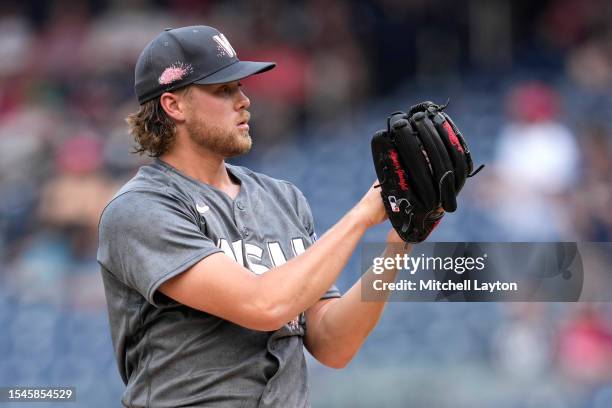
(134, 190)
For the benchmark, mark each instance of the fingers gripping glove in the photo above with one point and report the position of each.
(422, 162)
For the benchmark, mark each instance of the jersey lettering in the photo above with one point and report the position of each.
(298, 246)
(227, 249)
(252, 257)
(238, 251)
(276, 254)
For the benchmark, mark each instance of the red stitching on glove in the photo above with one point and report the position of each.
(452, 136)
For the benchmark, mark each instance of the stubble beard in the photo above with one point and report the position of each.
(219, 140)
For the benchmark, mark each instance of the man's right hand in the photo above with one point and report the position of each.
(371, 207)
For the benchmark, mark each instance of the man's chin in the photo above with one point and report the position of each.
(242, 146)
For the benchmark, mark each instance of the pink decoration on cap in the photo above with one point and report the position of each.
(175, 72)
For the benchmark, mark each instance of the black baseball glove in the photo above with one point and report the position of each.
(422, 162)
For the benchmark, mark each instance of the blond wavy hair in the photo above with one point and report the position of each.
(152, 129)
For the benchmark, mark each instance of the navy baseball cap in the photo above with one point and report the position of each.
(189, 55)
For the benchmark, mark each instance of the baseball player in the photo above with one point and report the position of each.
(213, 276)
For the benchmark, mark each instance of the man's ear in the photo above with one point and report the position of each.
(174, 105)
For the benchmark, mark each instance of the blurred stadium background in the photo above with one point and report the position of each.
(529, 84)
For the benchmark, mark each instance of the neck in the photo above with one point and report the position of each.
(200, 164)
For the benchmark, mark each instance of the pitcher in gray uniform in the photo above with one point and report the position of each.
(213, 277)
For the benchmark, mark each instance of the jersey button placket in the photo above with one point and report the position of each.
(239, 205)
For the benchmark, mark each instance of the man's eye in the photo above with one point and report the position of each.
(229, 90)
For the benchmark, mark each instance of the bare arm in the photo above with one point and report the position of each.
(336, 328)
(222, 287)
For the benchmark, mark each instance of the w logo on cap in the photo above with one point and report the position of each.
(224, 45)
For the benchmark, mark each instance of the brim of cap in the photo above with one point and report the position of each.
(238, 70)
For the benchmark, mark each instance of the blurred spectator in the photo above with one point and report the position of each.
(26, 133)
(58, 49)
(339, 78)
(567, 22)
(57, 264)
(593, 197)
(521, 345)
(536, 167)
(585, 346)
(590, 65)
(79, 192)
(15, 41)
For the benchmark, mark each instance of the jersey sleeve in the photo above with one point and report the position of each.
(308, 220)
(148, 237)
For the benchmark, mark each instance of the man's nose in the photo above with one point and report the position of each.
(243, 101)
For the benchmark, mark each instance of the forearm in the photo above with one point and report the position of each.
(340, 329)
(296, 285)
(220, 286)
